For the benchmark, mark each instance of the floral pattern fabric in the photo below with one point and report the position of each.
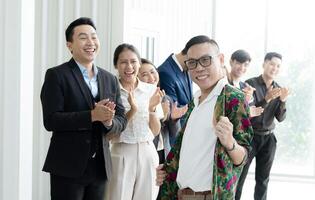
(230, 103)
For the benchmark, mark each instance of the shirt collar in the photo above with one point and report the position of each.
(215, 92)
(261, 81)
(140, 86)
(178, 64)
(84, 70)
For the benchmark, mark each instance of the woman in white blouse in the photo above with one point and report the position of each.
(133, 153)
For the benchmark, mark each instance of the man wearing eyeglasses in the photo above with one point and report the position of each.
(212, 148)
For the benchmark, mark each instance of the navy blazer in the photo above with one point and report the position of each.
(67, 105)
(175, 83)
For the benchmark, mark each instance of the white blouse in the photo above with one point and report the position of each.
(137, 129)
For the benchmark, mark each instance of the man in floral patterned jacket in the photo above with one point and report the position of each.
(213, 145)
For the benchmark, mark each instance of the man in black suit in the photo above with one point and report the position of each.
(81, 104)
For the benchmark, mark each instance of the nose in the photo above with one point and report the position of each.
(199, 67)
(90, 41)
(151, 78)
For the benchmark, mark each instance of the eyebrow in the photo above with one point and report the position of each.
(200, 57)
(86, 34)
(83, 34)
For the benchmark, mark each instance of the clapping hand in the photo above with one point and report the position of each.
(178, 112)
(272, 93)
(104, 111)
(155, 99)
(284, 94)
(248, 90)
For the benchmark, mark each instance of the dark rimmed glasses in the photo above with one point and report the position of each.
(204, 61)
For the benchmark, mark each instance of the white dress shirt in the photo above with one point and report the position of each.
(198, 144)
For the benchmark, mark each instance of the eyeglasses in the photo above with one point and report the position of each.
(204, 61)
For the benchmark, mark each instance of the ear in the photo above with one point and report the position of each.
(69, 45)
(221, 57)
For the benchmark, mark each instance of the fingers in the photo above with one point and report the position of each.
(255, 111)
(102, 102)
(160, 175)
(224, 126)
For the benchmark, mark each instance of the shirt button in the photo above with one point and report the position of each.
(88, 141)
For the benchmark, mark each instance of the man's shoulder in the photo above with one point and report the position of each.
(253, 79)
(165, 65)
(61, 68)
(105, 72)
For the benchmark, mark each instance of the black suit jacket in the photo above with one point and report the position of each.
(67, 105)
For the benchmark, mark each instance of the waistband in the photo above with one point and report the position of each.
(262, 132)
(188, 191)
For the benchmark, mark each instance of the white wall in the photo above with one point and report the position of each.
(10, 75)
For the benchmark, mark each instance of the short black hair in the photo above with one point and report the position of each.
(241, 56)
(199, 40)
(75, 23)
(146, 61)
(270, 55)
(123, 47)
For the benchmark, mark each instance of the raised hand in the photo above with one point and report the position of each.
(272, 93)
(178, 112)
(132, 101)
(103, 111)
(248, 90)
(224, 131)
(255, 111)
(155, 99)
(166, 109)
(284, 94)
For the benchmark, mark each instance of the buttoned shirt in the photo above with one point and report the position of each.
(274, 109)
(90, 82)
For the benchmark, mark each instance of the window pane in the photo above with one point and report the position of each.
(241, 25)
(291, 34)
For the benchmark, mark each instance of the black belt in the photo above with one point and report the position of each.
(263, 132)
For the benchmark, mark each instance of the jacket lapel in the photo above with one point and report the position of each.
(101, 86)
(179, 75)
(80, 80)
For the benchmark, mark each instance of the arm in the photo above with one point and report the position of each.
(119, 121)
(224, 131)
(242, 131)
(133, 107)
(234, 131)
(54, 115)
(154, 121)
(281, 111)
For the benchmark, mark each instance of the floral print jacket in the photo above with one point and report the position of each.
(230, 103)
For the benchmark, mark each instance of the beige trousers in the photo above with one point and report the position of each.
(134, 172)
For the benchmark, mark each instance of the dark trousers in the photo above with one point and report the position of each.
(90, 186)
(264, 149)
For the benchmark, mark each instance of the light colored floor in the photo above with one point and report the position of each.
(281, 189)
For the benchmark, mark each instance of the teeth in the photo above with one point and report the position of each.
(201, 77)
